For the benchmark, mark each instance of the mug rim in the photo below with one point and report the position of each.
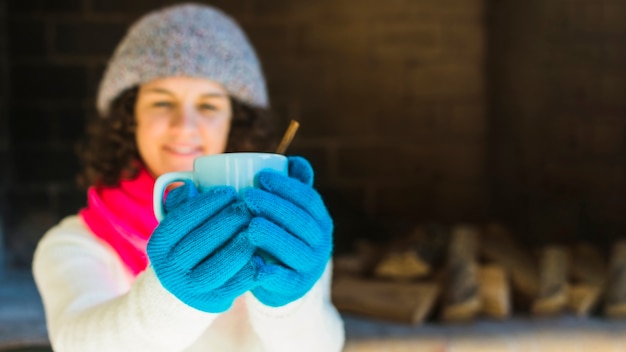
(265, 155)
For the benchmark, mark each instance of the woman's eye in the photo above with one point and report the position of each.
(162, 104)
(209, 107)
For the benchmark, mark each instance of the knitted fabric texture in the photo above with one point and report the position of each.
(185, 40)
(200, 251)
(292, 225)
(122, 217)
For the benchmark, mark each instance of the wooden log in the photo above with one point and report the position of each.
(431, 243)
(494, 291)
(461, 300)
(404, 302)
(499, 246)
(589, 270)
(360, 261)
(615, 304)
(588, 265)
(402, 265)
(583, 298)
(415, 255)
(554, 288)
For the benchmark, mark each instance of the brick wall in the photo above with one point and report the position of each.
(5, 159)
(411, 110)
(49, 104)
(390, 96)
(557, 120)
(391, 100)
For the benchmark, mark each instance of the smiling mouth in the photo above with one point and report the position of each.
(184, 151)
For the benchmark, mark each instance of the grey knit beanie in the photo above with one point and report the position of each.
(185, 40)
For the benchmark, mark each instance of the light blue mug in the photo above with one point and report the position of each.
(229, 169)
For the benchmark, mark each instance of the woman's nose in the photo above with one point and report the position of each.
(185, 117)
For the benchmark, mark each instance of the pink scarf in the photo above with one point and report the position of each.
(123, 217)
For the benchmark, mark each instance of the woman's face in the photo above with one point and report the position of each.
(179, 119)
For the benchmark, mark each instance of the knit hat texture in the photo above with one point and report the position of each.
(185, 40)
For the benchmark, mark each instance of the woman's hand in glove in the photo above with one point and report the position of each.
(292, 225)
(199, 251)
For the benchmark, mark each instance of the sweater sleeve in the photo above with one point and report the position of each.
(92, 304)
(310, 323)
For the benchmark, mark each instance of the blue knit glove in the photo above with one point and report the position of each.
(199, 251)
(293, 227)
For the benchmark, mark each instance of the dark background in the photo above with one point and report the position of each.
(411, 111)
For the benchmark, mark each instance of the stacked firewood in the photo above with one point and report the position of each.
(465, 272)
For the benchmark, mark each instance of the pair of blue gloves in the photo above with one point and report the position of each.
(213, 246)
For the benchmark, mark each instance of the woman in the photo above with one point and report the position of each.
(185, 82)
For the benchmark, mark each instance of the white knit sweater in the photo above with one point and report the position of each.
(93, 303)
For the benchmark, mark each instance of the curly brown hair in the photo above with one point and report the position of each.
(109, 153)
